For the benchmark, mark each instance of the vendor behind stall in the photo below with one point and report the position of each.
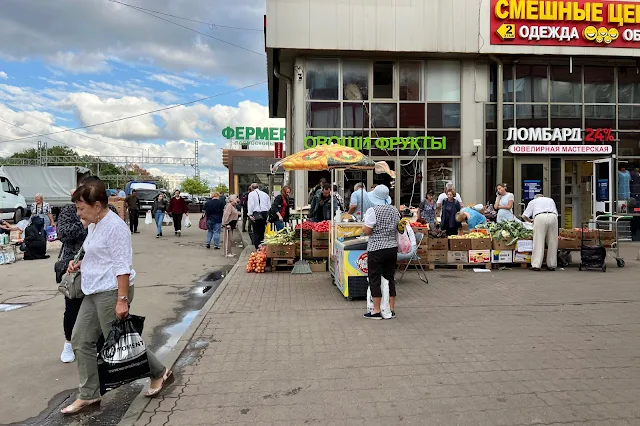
(450, 207)
(544, 213)
(472, 216)
(359, 201)
(321, 205)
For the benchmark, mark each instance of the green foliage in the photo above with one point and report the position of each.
(222, 188)
(195, 186)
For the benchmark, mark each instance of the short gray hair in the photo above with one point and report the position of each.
(358, 186)
(448, 186)
(254, 186)
(231, 198)
(38, 195)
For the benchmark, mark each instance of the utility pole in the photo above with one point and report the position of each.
(197, 162)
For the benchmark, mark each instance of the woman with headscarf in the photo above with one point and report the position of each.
(229, 221)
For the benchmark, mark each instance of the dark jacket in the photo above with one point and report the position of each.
(35, 240)
(70, 231)
(178, 206)
(132, 202)
(161, 205)
(448, 221)
(214, 209)
(277, 206)
(321, 208)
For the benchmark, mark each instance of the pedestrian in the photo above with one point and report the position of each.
(133, 204)
(316, 189)
(177, 208)
(159, 209)
(542, 210)
(258, 209)
(121, 193)
(427, 210)
(214, 210)
(281, 208)
(245, 211)
(381, 225)
(472, 216)
(42, 209)
(35, 240)
(450, 207)
(108, 285)
(504, 204)
(229, 222)
(448, 186)
(320, 208)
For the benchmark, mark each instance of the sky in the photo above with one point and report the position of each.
(66, 64)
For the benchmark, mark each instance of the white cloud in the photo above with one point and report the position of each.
(173, 80)
(3, 75)
(54, 82)
(79, 63)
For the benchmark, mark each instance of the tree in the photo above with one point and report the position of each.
(222, 188)
(195, 186)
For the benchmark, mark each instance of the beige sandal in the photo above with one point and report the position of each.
(167, 379)
(86, 406)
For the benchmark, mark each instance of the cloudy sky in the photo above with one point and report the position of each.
(67, 63)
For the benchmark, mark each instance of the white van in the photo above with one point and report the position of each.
(12, 205)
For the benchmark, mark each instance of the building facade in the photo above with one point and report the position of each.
(541, 95)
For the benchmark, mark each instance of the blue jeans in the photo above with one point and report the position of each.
(159, 217)
(279, 225)
(213, 230)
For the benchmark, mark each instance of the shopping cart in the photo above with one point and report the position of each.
(592, 256)
(620, 225)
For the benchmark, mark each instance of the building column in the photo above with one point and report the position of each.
(298, 123)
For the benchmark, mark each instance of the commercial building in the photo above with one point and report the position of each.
(541, 95)
(251, 166)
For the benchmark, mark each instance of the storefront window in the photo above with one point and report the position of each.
(629, 117)
(385, 179)
(599, 85)
(355, 80)
(508, 115)
(508, 85)
(491, 171)
(628, 85)
(443, 116)
(566, 116)
(629, 144)
(531, 83)
(443, 81)
(323, 115)
(490, 112)
(355, 115)
(532, 115)
(383, 80)
(322, 76)
(600, 116)
(439, 172)
(384, 116)
(375, 151)
(324, 133)
(412, 134)
(491, 144)
(410, 81)
(452, 139)
(566, 86)
(412, 116)
(410, 182)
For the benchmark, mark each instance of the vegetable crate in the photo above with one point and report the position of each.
(281, 251)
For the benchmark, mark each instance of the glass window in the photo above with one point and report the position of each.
(5, 184)
(412, 116)
(508, 114)
(493, 82)
(452, 139)
(600, 116)
(411, 134)
(532, 115)
(410, 182)
(385, 179)
(629, 117)
(322, 77)
(439, 172)
(383, 80)
(599, 85)
(323, 115)
(410, 81)
(508, 85)
(566, 86)
(384, 116)
(443, 81)
(445, 116)
(490, 112)
(355, 115)
(491, 176)
(566, 116)
(375, 151)
(629, 144)
(491, 144)
(324, 133)
(531, 83)
(628, 85)
(355, 80)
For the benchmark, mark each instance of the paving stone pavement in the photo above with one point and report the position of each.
(509, 347)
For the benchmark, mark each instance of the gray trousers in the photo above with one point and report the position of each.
(97, 312)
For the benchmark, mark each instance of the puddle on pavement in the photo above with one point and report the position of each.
(6, 307)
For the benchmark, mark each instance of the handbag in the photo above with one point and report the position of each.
(260, 215)
(71, 284)
(203, 223)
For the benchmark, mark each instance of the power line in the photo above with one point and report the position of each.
(189, 28)
(210, 24)
(141, 114)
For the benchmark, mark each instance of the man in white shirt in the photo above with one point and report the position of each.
(542, 210)
(258, 205)
(443, 196)
(121, 193)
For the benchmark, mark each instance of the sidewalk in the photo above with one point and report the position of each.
(501, 348)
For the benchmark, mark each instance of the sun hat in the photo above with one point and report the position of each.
(379, 196)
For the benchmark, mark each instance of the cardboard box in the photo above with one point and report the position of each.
(320, 236)
(501, 256)
(568, 244)
(479, 256)
(480, 243)
(459, 244)
(320, 252)
(422, 251)
(320, 266)
(458, 257)
(502, 245)
(437, 256)
(437, 243)
(520, 257)
(281, 251)
(569, 233)
(524, 246)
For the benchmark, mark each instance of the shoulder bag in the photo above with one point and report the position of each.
(71, 284)
(260, 215)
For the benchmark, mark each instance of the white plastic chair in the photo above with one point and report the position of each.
(412, 258)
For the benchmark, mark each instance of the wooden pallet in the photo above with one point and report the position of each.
(459, 267)
(282, 264)
(516, 265)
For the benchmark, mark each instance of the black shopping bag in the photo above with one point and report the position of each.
(123, 357)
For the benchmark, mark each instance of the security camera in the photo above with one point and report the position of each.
(299, 73)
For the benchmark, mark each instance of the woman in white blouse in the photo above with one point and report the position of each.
(42, 209)
(107, 283)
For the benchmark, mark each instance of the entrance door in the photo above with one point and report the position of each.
(531, 178)
(602, 188)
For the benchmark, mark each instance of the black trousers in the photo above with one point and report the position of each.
(71, 309)
(259, 227)
(382, 263)
(245, 219)
(133, 220)
(177, 222)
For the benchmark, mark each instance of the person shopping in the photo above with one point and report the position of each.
(177, 208)
(133, 204)
(381, 225)
(281, 208)
(427, 210)
(108, 277)
(229, 223)
(542, 210)
(504, 204)
(214, 210)
(450, 207)
(258, 209)
(472, 216)
(159, 208)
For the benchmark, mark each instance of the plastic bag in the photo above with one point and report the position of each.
(385, 307)
(404, 242)
(187, 222)
(167, 220)
(123, 358)
(148, 220)
(52, 234)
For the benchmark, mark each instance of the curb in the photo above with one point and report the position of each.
(139, 404)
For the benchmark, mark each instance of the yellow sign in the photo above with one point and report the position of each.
(507, 31)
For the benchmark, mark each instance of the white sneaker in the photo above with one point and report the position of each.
(230, 255)
(67, 353)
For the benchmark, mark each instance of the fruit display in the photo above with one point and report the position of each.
(323, 226)
(257, 262)
(509, 231)
(284, 237)
(471, 236)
